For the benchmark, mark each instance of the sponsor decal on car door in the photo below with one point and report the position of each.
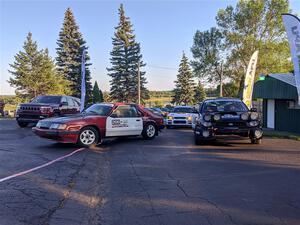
(124, 121)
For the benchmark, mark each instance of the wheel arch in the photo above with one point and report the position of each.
(96, 128)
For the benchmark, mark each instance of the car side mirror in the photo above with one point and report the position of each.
(253, 109)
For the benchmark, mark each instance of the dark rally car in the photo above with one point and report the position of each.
(227, 116)
(46, 106)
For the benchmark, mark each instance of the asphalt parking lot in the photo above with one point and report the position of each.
(167, 180)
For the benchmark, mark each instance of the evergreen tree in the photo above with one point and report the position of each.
(97, 94)
(34, 72)
(69, 54)
(125, 57)
(200, 94)
(184, 90)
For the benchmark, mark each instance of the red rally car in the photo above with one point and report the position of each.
(100, 121)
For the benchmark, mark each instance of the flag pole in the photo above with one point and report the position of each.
(139, 84)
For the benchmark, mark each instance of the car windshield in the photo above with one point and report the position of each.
(184, 110)
(99, 109)
(47, 99)
(224, 106)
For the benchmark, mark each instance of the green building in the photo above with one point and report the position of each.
(280, 107)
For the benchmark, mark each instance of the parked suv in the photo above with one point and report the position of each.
(46, 106)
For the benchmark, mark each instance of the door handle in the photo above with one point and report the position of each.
(138, 120)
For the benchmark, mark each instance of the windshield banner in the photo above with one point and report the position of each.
(82, 82)
(292, 27)
(249, 80)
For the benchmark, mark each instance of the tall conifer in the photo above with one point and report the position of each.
(125, 57)
(69, 54)
(184, 89)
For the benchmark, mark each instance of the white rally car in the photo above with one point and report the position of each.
(182, 116)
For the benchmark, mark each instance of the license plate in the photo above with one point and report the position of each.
(231, 128)
(230, 116)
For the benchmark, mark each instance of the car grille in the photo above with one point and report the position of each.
(30, 108)
(179, 118)
(179, 122)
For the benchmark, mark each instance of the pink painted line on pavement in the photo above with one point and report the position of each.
(41, 166)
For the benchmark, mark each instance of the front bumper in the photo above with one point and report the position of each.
(179, 122)
(31, 118)
(63, 136)
(212, 132)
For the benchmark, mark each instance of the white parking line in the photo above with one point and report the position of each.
(41, 166)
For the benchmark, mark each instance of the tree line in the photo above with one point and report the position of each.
(35, 73)
(221, 54)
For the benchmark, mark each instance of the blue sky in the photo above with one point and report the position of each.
(164, 29)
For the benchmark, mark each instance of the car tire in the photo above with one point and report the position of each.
(22, 124)
(88, 136)
(256, 141)
(149, 131)
(168, 127)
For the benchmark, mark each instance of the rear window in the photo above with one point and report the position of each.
(224, 106)
(47, 99)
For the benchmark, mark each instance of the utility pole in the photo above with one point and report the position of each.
(139, 84)
(221, 80)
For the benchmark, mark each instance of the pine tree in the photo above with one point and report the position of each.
(184, 89)
(34, 73)
(97, 93)
(125, 57)
(69, 54)
(200, 94)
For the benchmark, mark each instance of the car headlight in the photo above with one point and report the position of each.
(254, 115)
(45, 109)
(217, 117)
(18, 108)
(207, 117)
(170, 117)
(253, 123)
(58, 126)
(189, 118)
(245, 116)
(206, 124)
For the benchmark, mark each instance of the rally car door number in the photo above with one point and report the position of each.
(123, 126)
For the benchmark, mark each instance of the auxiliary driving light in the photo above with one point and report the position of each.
(257, 133)
(254, 115)
(245, 116)
(207, 117)
(205, 133)
(217, 117)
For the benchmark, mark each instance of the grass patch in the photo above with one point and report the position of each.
(281, 134)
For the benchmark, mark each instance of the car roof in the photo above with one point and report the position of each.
(223, 99)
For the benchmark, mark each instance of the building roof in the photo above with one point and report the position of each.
(288, 78)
